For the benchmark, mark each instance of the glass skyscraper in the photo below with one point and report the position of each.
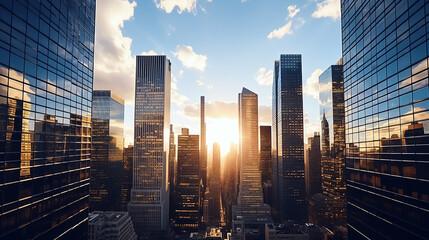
(187, 200)
(46, 70)
(331, 99)
(385, 57)
(107, 151)
(149, 205)
(288, 139)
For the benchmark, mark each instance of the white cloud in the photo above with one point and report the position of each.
(311, 87)
(200, 83)
(281, 32)
(113, 62)
(177, 98)
(190, 59)
(150, 53)
(293, 10)
(264, 77)
(181, 72)
(328, 8)
(182, 5)
(298, 23)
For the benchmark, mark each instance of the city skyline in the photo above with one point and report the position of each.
(202, 61)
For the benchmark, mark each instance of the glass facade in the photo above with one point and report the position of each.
(288, 139)
(127, 177)
(106, 151)
(385, 56)
(265, 162)
(46, 69)
(215, 187)
(314, 184)
(331, 99)
(149, 205)
(203, 148)
(187, 210)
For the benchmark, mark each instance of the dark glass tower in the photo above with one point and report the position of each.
(106, 151)
(265, 162)
(187, 200)
(288, 144)
(127, 177)
(149, 205)
(385, 57)
(46, 70)
(314, 167)
(331, 98)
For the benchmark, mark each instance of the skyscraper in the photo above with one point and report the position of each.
(229, 182)
(250, 208)
(187, 200)
(127, 176)
(203, 148)
(288, 144)
(265, 162)
(149, 205)
(46, 74)
(331, 100)
(215, 187)
(171, 170)
(106, 151)
(385, 56)
(314, 166)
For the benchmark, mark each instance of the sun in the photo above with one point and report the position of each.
(223, 131)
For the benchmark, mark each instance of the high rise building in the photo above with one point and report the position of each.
(333, 142)
(172, 170)
(314, 167)
(46, 73)
(203, 148)
(215, 187)
(288, 144)
(265, 163)
(110, 226)
(229, 183)
(385, 56)
(250, 211)
(187, 194)
(106, 151)
(127, 176)
(149, 205)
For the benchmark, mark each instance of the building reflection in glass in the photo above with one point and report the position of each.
(331, 98)
(45, 117)
(387, 119)
(107, 151)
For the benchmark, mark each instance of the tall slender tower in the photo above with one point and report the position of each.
(203, 148)
(215, 187)
(46, 79)
(149, 205)
(172, 170)
(288, 135)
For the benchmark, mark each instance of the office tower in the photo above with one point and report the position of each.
(250, 211)
(149, 205)
(386, 101)
(172, 170)
(265, 162)
(187, 194)
(288, 144)
(106, 151)
(127, 176)
(110, 226)
(314, 167)
(333, 142)
(215, 187)
(229, 183)
(203, 148)
(45, 118)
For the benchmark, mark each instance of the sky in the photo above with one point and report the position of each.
(216, 47)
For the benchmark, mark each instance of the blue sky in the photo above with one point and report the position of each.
(216, 47)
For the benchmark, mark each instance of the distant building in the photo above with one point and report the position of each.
(106, 151)
(127, 179)
(229, 183)
(172, 170)
(288, 140)
(187, 194)
(265, 163)
(215, 187)
(203, 147)
(149, 205)
(314, 166)
(110, 226)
